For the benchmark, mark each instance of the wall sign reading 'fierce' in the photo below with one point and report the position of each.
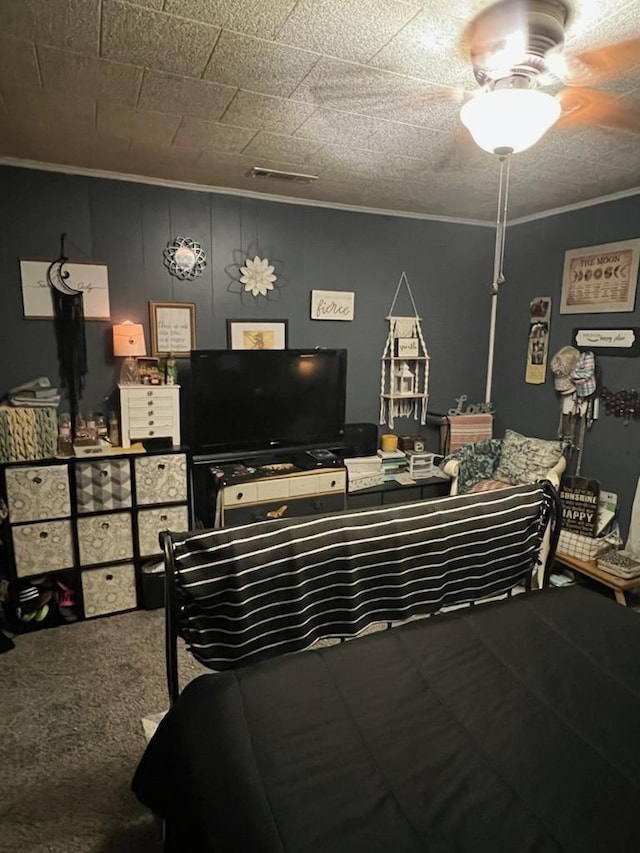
(332, 304)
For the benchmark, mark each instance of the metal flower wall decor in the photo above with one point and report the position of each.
(257, 276)
(184, 258)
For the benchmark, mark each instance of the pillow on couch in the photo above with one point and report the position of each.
(524, 459)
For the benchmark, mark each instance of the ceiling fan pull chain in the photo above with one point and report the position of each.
(505, 166)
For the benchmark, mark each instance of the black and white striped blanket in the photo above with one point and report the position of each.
(252, 592)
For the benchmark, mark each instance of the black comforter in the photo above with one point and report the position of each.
(506, 728)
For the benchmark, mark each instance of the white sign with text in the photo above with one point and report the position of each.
(91, 279)
(332, 304)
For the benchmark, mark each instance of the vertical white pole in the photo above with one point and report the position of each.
(498, 260)
(492, 341)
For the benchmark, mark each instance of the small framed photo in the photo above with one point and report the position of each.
(173, 328)
(257, 334)
(407, 348)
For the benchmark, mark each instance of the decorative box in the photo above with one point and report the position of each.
(109, 590)
(103, 485)
(37, 493)
(411, 442)
(365, 480)
(105, 538)
(160, 479)
(42, 546)
(151, 522)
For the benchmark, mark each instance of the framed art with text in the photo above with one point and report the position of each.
(173, 328)
(600, 279)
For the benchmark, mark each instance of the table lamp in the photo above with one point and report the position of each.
(128, 341)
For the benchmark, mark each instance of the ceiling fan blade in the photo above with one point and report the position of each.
(584, 106)
(602, 63)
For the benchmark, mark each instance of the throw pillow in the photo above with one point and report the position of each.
(524, 459)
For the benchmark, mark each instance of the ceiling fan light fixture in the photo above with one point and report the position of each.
(509, 119)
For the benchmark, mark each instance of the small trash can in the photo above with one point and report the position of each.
(153, 585)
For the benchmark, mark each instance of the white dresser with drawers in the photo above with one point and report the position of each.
(149, 411)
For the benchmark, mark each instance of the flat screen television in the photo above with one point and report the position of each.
(263, 399)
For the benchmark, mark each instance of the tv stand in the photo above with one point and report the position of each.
(250, 495)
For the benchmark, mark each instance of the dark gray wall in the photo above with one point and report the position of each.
(127, 226)
(533, 264)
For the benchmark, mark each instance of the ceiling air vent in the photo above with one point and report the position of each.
(294, 177)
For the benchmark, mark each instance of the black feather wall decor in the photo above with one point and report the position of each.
(68, 320)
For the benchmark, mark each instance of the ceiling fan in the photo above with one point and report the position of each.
(517, 49)
(519, 45)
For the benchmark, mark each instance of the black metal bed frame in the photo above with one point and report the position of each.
(172, 604)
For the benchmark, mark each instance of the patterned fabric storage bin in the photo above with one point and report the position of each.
(38, 492)
(42, 547)
(160, 479)
(109, 589)
(105, 538)
(103, 484)
(151, 522)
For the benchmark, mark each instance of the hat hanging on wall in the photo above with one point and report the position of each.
(563, 364)
(184, 258)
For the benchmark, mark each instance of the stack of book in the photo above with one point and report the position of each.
(363, 472)
(394, 462)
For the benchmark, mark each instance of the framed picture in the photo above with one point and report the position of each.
(257, 334)
(600, 279)
(173, 328)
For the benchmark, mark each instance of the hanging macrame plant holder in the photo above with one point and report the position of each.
(404, 378)
(68, 321)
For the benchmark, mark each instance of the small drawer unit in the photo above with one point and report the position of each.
(301, 493)
(152, 522)
(160, 479)
(105, 538)
(38, 492)
(109, 589)
(103, 484)
(149, 411)
(41, 547)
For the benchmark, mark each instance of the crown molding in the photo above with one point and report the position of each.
(280, 199)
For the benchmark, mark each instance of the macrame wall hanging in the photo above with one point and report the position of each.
(68, 321)
(404, 378)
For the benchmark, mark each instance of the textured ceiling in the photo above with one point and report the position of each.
(363, 93)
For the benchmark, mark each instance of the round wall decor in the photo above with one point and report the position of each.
(184, 258)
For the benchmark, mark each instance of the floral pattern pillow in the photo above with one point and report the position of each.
(524, 459)
(477, 460)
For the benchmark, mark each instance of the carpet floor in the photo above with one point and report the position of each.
(72, 701)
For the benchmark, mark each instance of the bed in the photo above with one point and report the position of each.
(507, 726)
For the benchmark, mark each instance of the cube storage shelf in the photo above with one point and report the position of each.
(87, 526)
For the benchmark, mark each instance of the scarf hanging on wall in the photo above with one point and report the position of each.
(68, 311)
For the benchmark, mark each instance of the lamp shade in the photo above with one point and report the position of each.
(511, 119)
(128, 339)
